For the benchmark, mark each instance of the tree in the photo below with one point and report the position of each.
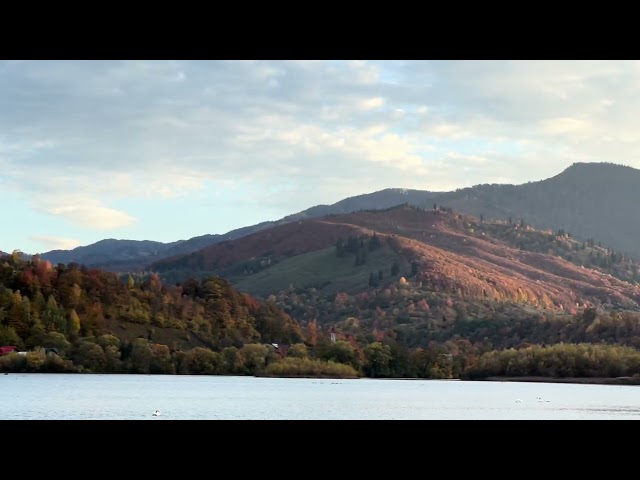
(161, 361)
(74, 322)
(341, 352)
(140, 356)
(414, 267)
(202, 361)
(395, 269)
(374, 243)
(253, 357)
(90, 356)
(75, 295)
(377, 357)
(50, 314)
(108, 340)
(8, 336)
(298, 350)
(231, 361)
(18, 317)
(48, 340)
(312, 332)
(16, 256)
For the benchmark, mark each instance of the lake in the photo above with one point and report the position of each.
(136, 397)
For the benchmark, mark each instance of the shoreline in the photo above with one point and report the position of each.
(576, 380)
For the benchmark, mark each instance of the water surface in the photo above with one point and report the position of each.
(136, 397)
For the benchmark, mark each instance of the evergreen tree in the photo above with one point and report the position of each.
(395, 269)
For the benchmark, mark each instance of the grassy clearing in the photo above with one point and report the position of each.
(323, 270)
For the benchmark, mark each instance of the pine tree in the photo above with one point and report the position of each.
(395, 269)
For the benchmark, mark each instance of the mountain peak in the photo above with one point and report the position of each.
(595, 173)
(597, 167)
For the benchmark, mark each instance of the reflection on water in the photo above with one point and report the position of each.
(611, 410)
(124, 397)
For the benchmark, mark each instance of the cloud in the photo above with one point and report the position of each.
(85, 141)
(56, 243)
(371, 103)
(563, 125)
(85, 212)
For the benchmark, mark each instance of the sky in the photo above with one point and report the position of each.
(168, 150)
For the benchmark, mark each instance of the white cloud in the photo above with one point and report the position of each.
(55, 243)
(83, 139)
(558, 126)
(371, 103)
(84, 211)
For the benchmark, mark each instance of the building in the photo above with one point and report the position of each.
(7, 349)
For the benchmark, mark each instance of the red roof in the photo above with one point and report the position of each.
(7, 349)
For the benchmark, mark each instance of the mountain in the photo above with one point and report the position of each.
(134, 255)
(114, 253)
(379, 200)
(431, 266)
(589, 200)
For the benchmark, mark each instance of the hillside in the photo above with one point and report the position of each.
(130, 254)
(464, 266)
(590, 200)
(74, 309)
(404, 292)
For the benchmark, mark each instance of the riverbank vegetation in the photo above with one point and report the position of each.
(72, 319)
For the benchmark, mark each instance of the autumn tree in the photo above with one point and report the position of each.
(253, 357)
(89, 355)
(341, 352)
(161, 361)
(377, 358)
(202, 361)
(74, 323)
(298, 350)
(141, 354)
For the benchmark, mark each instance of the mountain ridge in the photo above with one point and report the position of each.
(448, 252)
(562, 201)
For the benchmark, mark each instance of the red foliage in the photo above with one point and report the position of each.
(341, 298)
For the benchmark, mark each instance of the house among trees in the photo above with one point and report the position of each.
(7, 349)
(280, 348)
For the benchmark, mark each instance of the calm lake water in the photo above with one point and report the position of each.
(136, 397)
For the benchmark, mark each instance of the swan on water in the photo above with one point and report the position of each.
(156, 413)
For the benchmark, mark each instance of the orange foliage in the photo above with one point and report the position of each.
(312, 330)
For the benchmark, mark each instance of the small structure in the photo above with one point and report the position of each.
(7, 349)
(280, 348)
